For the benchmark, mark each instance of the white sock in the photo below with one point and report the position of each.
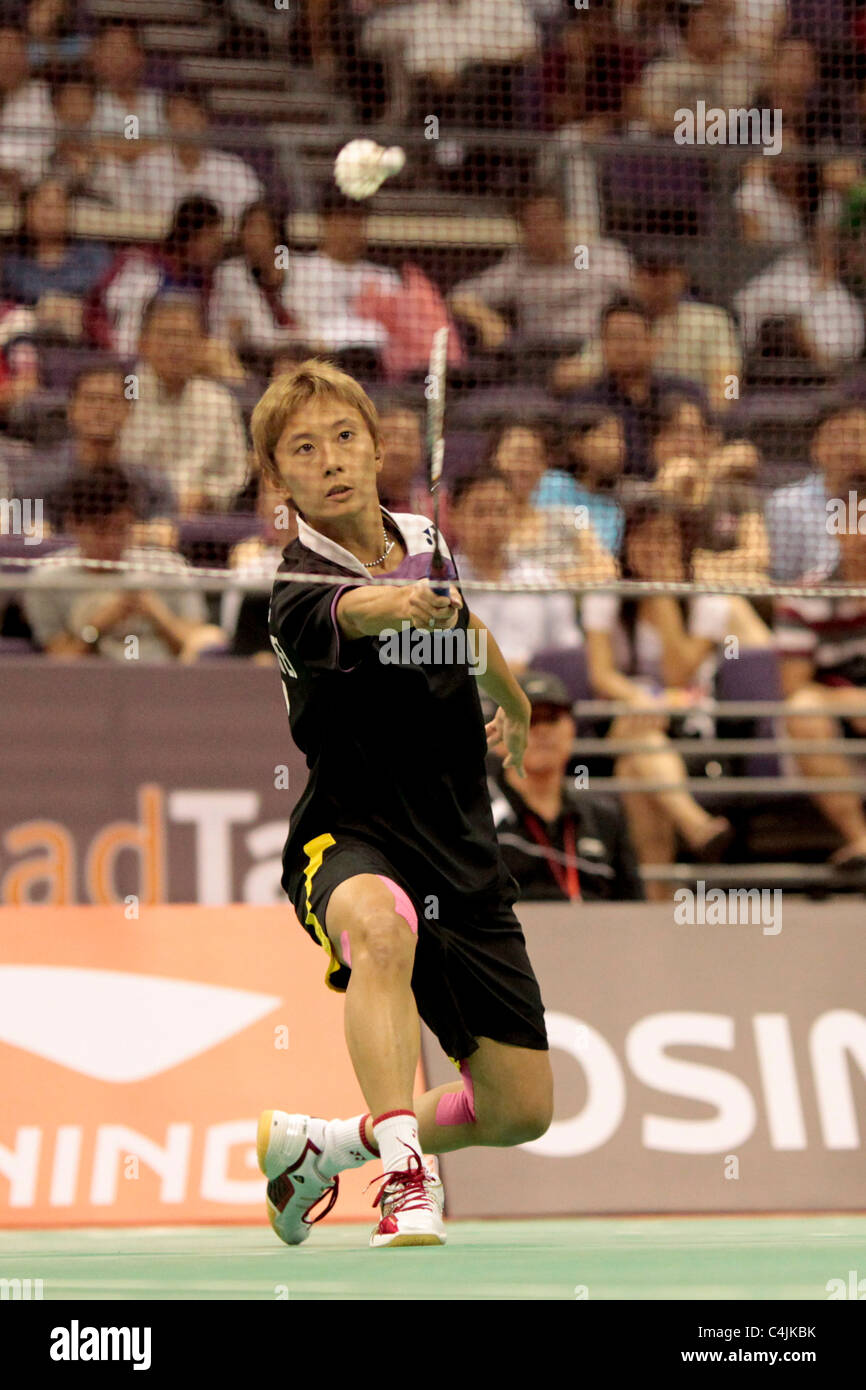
(345, 1146)
(397, 1137)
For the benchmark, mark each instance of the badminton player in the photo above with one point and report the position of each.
(392, 861)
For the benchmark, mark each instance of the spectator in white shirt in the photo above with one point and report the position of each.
(804, 287)
(183, 425)
(524, 624)
(554, 290)
(251, 303)
(189, 165)
(117, 60)
(773, 198)
(325, 283)
(438, 39)
(710, 68)
(27, 122)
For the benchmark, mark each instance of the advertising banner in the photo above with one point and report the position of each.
(163, 783)
(698, 1067)
(137, 1053)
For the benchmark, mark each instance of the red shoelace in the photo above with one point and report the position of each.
(413, 1182)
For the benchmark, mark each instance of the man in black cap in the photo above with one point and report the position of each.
(559, 841)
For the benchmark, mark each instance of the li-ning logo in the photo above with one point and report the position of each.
(114, 1038)
(76, 1343)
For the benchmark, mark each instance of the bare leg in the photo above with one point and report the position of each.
(652, 836)
(680, 808)
(381, 1021)
(513, 1091)
(745, 624)
(844, 810)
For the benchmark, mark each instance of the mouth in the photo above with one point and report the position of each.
(339, 490)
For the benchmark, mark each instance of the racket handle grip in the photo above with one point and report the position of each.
(441, 587)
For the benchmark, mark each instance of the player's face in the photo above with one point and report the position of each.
(328, 461)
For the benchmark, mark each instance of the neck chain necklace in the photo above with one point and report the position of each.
(389, 546)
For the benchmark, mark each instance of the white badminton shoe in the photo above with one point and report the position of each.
(411, 1201)
(287, 1148)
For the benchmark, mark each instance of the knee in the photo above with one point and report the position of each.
(807, 725)
(521, 1121)
(522, 1125)
(384, 939)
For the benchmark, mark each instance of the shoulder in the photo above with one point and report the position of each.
(695, 313)
(156, 559)
(417, 532)
(46, 572)
(233, 274)
(802, 493)
(203, 390)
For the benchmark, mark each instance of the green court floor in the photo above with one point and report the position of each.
(790, 1257)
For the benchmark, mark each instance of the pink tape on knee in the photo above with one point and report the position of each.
(458, 1107)
(402, 905)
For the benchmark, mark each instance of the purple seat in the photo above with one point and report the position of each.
(483, 408)
(755, 675)
(569, 664)
(645, 191)
(464, 451)
(229, 528)
(59, 365)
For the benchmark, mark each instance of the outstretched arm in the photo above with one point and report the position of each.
(510, 724)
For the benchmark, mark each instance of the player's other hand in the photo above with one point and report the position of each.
(432, 611)
(510, 732)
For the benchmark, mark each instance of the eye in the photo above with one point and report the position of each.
(350, 433)
(308, 445)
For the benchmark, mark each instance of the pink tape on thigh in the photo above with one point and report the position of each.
(458, 1107)
(402, 905)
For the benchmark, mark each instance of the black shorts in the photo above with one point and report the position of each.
(471, 978)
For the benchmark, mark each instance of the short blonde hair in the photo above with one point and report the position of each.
(314, 379)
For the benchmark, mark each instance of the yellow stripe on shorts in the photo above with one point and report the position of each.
(314, 849)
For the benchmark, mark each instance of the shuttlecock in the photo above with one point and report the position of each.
(362, 167)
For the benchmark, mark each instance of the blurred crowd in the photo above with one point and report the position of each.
(611, 372)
